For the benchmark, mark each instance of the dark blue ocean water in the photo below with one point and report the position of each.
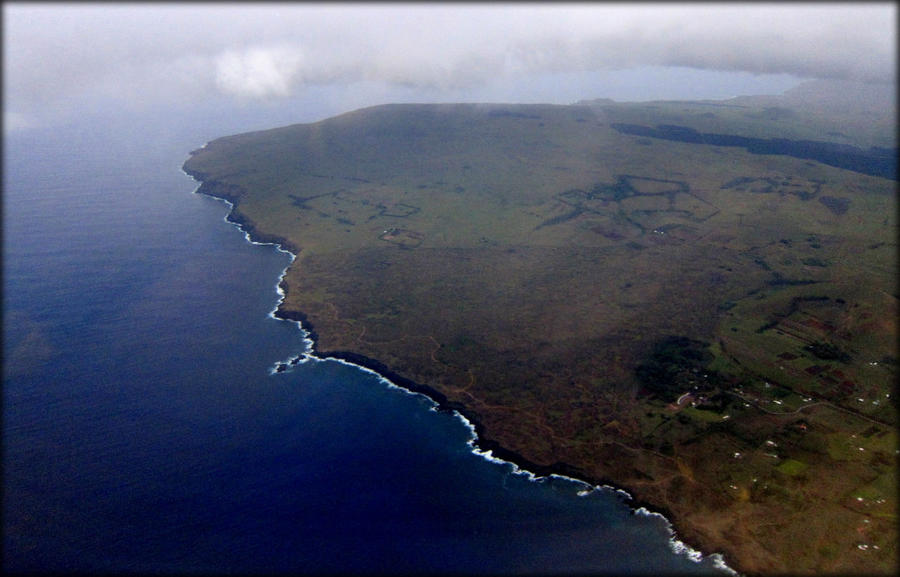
(143, 430)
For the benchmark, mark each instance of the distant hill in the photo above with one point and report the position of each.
(864, 114)
(855, 113)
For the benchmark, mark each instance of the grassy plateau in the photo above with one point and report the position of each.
(710, 327)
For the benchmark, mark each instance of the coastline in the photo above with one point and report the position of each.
(494, 451)
(481, 444)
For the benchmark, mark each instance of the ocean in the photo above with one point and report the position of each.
(145, 431)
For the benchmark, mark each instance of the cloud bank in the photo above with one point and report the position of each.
(143, 53)
(258, 72)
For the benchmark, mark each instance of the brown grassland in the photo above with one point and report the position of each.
(564, 285)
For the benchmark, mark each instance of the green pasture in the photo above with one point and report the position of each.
(527, 260)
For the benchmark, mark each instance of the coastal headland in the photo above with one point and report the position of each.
(709, 327)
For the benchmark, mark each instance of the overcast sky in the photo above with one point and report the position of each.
(60, 58)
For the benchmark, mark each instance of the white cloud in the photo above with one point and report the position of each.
(141, 54)
(258, 72)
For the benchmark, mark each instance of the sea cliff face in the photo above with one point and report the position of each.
(613, 306)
